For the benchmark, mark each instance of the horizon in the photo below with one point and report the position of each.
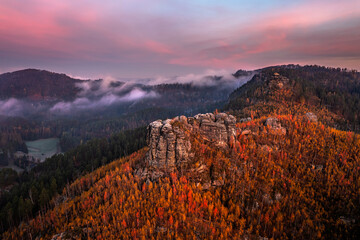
(133, 39)
(171, 78)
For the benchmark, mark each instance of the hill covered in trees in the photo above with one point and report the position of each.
(33, 84)
(332, 92)
(290, 179)
(21, 197)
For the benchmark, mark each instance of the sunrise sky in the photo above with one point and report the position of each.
(146, 38)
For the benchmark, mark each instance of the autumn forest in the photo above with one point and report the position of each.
(290, 170)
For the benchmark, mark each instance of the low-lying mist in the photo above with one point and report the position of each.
(210, 78)
(103, 100)
(109, 91)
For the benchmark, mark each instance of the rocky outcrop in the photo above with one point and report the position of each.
(242, 120)
(219, 128)
(169, 143)
(275, 126)
(277, 82)
(311, 117)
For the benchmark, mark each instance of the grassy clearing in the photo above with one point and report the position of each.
(43, 148)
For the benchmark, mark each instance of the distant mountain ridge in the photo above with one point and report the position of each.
(36, 84)
(292, 89)
(46, 88)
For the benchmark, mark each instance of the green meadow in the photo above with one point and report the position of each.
(43, 148)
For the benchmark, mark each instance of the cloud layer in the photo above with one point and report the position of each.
(107, 92)
(110, 91)
(209, 78)
(102, 94)
(134, 38)
(11, 107)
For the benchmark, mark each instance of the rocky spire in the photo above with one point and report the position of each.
(169, 145)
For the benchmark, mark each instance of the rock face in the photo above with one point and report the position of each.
(218, 128)
(311, 117)
(169, 145)
(277, 82)
(275, 125)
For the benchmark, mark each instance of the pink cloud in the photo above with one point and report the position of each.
(157, 47)
(273, 37)
(18, 24)
(118, 33)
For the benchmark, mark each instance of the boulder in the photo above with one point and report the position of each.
(273, 123)
(277, 82)
(242, 120)
(311, 117)
(206, 186)
(275, 126)
(265, 149)
(246, 132)
(217, 183)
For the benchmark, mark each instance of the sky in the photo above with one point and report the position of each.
(149, 38)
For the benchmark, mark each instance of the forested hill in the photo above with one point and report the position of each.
(333, 92)
(279, 177)
(21, 197)
(36, 84)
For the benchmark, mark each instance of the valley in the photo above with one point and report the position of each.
(95, 108)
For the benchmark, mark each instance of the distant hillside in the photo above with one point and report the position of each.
(38, 85)
(332, 92)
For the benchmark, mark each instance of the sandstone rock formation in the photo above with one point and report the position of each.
(311, 117)
(169, 145)
(242, 120)
(275, 126)
(277, 82)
